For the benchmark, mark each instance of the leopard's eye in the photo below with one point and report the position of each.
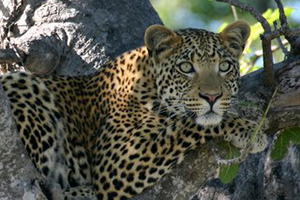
(224, 67)
(186, 67)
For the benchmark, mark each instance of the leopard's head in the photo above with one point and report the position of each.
(197, 71)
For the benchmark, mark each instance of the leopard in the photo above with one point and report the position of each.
(112, 134)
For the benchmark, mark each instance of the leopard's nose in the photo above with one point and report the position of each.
(210, 98)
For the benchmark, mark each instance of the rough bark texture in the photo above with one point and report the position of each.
(73, 37)
(76, 37)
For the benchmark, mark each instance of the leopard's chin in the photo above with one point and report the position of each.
(209, 119)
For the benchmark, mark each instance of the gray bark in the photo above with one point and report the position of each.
(76, 37)
(73, 37)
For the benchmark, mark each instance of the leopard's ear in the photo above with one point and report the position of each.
(235, 37)
(161, 41)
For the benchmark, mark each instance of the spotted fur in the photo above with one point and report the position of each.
(112, 134)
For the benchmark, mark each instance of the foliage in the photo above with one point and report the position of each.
(179, 13)
(287, 138)
(251, 59)
(229, 172)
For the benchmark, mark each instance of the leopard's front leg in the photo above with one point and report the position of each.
(240, 132)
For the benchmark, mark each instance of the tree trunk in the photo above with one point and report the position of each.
(73, 37)
(76, 37)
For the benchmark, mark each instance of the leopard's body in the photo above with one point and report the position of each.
(118, 131)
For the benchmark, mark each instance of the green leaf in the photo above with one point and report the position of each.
(280, 148)
(229, 172)
(288, 11)
(285, 140)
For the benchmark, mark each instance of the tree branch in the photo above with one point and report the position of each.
(282, 32)
(282, 47)
(282, 16)
(233, 9)
(254, 12)
(10, 56)
(266, 42)
(248, 66)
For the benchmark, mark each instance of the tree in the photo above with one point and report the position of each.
(75, 37)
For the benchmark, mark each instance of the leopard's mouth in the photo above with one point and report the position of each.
(210, 118)
(200, 115)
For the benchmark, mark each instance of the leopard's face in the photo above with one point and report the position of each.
(199, 75)
(199, 79)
